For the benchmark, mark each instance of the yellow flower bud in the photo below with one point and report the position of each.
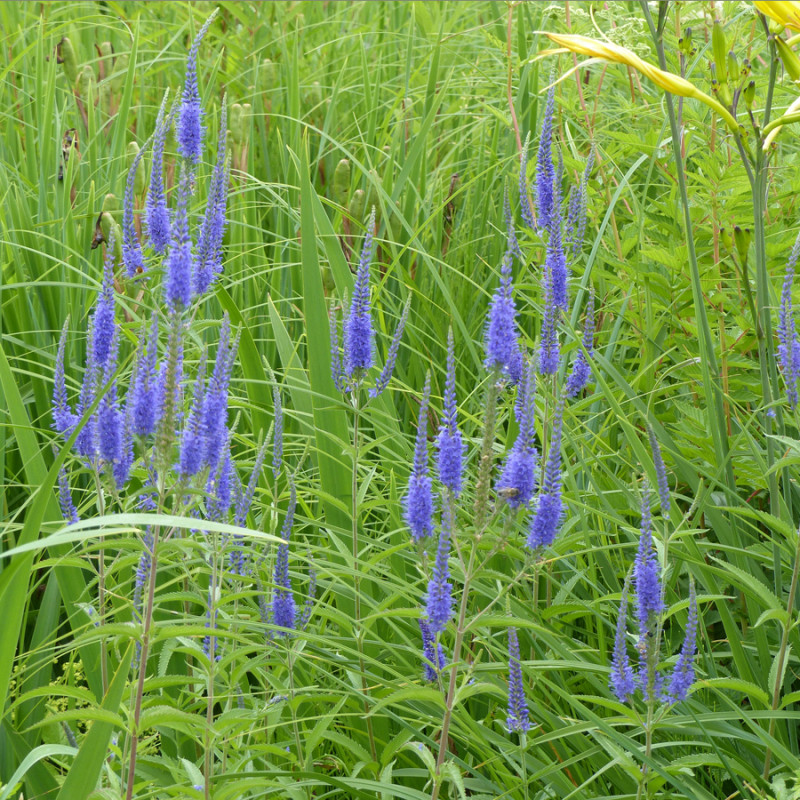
(791, 63)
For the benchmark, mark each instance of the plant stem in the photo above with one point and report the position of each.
(212, 646)
(643, 792)
(357, 576)
(787, 626)
(101, 582)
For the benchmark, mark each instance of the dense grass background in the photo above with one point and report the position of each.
(415, 96)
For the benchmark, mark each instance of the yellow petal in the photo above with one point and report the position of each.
(674, 84)
(785, 12)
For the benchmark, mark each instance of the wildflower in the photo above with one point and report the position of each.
(190, 114)
(337, 367)
(86, 440)
(432, 653)
(517, 715)
(621, 678)
(646, 574)
(178, 281)
(109, 418)
(64, 420)
(581, 371)
(215, 406)
(556, 262)
(122, 466)
(132, 256)
(243, 503)
(68, 510)
(525, 204)
(789, 347)
(209, 243)
(358, 333)
(391, 356)
(449, 442)
(502, 350)
(518, 478)
(683, 674)
(661, 472)
(545, 174)
(549, 348)
(103, 325)
(142, 572)
(156, 215)
(419, 500)
(550, 506)
(576, 214)
(277, 435)
(440, 590)
(144, 398)
(219, 487)
(283, 606)
(192, 444)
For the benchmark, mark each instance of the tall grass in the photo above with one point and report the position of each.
(414, 95)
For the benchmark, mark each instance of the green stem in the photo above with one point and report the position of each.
(212, 610)
(787, 626)
(357, 575)
(644, 778)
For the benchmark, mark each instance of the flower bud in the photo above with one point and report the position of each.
(65, 53)
(266, 74)
(84, 82)
(749, 94)
(341, 182)
(685, 43)
(357, 205)
(791, 63)
(111, 205)
(719, 48)
(139, 179)
(741, 238)
(727, 240)
(733, 66)
(238, 122)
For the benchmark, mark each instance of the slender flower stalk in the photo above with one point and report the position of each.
(440, 591)
(132, 256)
(581, 372)
(549, 347)
(64, 420)
(86, 440)
(789, 347)
(156, 212)
(661, 473)
(546, 521)
(178, 282)
(517, 714)
(434, 660)
(545, 174)
(556, 260)
(449, 443)
(104, 326)
(391, 357)
(358, 330)
(144, 398)
(192, 439)
(190, 114)
(68, 510)
(517, 481)
(419, 499)
(511, 233)
(502, 349)
(683, 674)
(621, 678)
(215, 406)
(277, 430)
(283, 604)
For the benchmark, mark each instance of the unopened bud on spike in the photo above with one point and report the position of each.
(741, 238)
(341, 182)
(727, 239)
(357, 205)
(84, 82)
(65, 54)
(720, 50)
(237, 123)
(791, 63)
(139, 179)
(749, 94)
(733, 65)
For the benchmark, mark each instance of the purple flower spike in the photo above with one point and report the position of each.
(621, 679)
(432, 653)
(683, 673)
(109, 427)
(215, 408)
(549, 347)
(556, 263)
(419, 500)
(545, 174)
(132, 256)
(524, 200)
(517, 480)
(277, 433)
(64, 420)
(440, 590)
(192, 440)
(517, 715)
(178, 282)
(156, 212)
(103, 325)
(789, 347)
(245, 500)
(68, 510)
(550, 507)
(122, 467)
(576, 214)
(283, 605)
(502, 350)
(358, 332)
(449, 442)
(661, 472)
(337, 366)
(391, 356)
(86, 440)
(646, 577)
(190, 114)
(219, 487)
(145, 397)
(581, 371)
(209, 244)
